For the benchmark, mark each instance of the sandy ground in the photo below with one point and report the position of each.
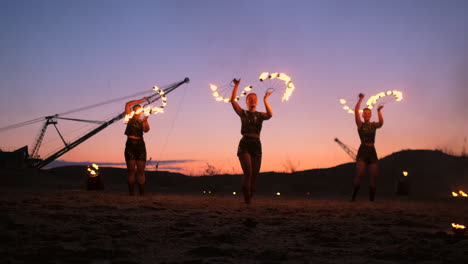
(78, 226)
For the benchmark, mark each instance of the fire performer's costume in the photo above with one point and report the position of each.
(251, 124)
(135, 149)
(367, 151)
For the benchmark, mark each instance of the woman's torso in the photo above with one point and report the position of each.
(134, 128)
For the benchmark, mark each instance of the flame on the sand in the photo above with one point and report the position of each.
(278, 193)
(462, 193)
(458, 226)
(93, 170)
(405, 173)
(234, 193)
(454, 194)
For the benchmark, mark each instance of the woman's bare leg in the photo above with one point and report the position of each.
(360, 172)
(131, 164)
(256, 164)
(374, 172)
(141, 175)
(246, 164)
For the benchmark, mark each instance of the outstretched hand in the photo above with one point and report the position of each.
(236, 81)
(379, 108)
(361, 96)
(145, 118)
(267, 94)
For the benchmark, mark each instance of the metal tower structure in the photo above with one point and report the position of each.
(351, 153)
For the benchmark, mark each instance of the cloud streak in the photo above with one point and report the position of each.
(162, 163)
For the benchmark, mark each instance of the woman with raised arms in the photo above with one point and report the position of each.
(249, 151)
(135, 149)
(367, 155)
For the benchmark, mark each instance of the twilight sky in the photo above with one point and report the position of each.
(61, 55)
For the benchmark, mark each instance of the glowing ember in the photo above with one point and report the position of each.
(462, 193)
(342, 101)
(227, 98)
(373, 100)
(149, 109)
(405, 173)
(454, 194)
(283, 77)
(234, 193)
(263, 76)
(278, 193)
(93, 170)
(458, 226)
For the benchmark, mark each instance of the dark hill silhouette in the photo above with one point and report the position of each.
(431, 173)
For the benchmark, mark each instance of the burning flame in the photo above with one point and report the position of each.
(273, 75)
(375, 98)
(458, 226)
(149, 109)
(405, 173)
(93, 170)
(454, 194)
(342, 101)
(263, 76)
(462, 193)
(278, 193)
(219, 98)
(284, 77)
(234, 193)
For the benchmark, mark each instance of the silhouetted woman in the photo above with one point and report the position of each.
(135, 149)
(250, 147)
(367, 156)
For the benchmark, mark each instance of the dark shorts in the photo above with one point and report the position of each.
(135, 149)
(250, 145)
(367, 154)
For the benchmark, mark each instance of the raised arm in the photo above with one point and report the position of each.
(128, 105)
(234, 103)
(357, 115)
(269, 112)
(380, 123)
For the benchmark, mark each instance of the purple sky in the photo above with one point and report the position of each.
(61, 55)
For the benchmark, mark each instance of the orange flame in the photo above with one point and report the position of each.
(458, 226)
(454, 194)
(463, 193)
(263, 76)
